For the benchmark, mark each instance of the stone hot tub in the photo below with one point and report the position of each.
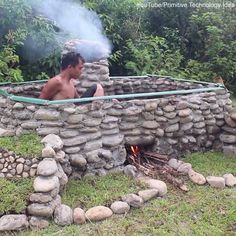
(159, 113)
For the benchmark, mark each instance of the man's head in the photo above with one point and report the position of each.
(73, 62)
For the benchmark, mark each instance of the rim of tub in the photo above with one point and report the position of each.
(38, 101)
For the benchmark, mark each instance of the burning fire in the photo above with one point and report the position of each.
(135, 150)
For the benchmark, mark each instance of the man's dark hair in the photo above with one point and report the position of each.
(71, 58)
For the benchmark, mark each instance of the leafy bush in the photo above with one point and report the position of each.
(20, 41)
(28, 145)
(151, 54)
(14, 194)
(9, 69)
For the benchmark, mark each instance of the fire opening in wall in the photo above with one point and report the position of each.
(154, 165)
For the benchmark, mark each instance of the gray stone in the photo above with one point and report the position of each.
(106, 154)
(148, 194)
(45, 184)
(20, 160)
(186, 119)
(216, 182)
(32, 172)
(19, 168)
(93, 145)
(184, 168)
(109, 126)
(41, 210)
(128, 126)
(5, 132)
(233, 116)
(79, 216)
(186, 126)
(98, 213)
(38, 223)
(151, 106)
(13, 222)
(133, 200)
(75, 119)
(30, 125)
(161, 119)
(25, 175)
(69, 133)
(60, 156)
(92, 122)
(69, 110)
(22, 115)
(150, 125)
(72, 150)
(113, 140)
(63, 215)
(40, 198)
(229, 150)
(133, 110)
(3, 102)
(74, 141)
(199, 125)
(63, 179)
(169, 108)
(184, 113)
(230, 180)
(130, 170)
(229, 129)
(119, 156)
(53, 141)
(78, 160)
(47, 167)
(154, 184)
(228, 120)
(110, 131)
(182, 105)
(228, 138)
(47, 114)
(31, 108)
(170, 115)
(172, 128)
(196, 178)
(119, 207)
(140, 140)
(110, 119)
(146, 116)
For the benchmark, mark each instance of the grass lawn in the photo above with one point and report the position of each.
(28, 145)
(14, 195)
(201, 211)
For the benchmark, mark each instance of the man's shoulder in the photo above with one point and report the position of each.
(55, 81)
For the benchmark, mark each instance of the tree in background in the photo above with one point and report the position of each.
(25, 38)
(193, 43)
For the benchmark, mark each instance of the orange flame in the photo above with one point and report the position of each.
(135, 150)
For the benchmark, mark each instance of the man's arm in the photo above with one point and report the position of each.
(50, 89)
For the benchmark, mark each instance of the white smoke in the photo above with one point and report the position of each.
(75, 21)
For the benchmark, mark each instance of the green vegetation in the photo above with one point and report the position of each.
(27, 145)
(97, 191)
(201, 211)
(14, 194)
(188, 42)
(234, 100)
(211, 163)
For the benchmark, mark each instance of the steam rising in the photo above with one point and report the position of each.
(76, 22)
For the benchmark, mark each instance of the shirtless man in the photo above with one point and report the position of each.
(61, 86)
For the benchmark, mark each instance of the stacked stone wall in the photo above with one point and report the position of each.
(96, 135)
(12, 165)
